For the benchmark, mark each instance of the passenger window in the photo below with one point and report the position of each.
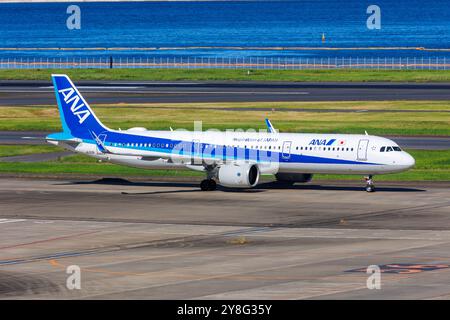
(382, 149)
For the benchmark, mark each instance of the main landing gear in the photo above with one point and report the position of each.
(370, 187)
(208, 185)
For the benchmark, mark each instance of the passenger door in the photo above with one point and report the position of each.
(362, 149)
(286, 152)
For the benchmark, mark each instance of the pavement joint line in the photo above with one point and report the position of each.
(272, 226)
(378, 213)
(116, 247)
(227, 275)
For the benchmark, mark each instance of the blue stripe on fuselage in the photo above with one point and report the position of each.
(167, 146)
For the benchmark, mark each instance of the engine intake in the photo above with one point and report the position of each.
(244, 175)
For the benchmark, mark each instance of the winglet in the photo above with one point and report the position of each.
(98, 140)
(270, 126)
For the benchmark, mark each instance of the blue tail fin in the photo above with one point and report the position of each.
(77, 118)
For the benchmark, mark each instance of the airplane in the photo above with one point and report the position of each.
(233, 159)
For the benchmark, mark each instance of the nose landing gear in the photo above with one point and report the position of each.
(208, 185)
(370, 187)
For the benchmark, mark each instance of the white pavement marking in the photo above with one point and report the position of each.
(124, 90)
(98, 87)
(159, 83)
(11, 220)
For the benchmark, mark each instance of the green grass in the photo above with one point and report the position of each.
(97, 169)
(231, 74)
(390, 120)
(19, 150)
(413, 175)
(431, 165)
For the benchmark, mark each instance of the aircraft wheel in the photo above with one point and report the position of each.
(212, 185)
(204, 185)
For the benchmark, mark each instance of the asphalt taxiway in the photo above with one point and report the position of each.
(30, 92)
(158, 240)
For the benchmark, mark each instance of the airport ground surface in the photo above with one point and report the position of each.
(157, 240)
(30, 92)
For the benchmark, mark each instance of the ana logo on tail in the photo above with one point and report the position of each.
(71, 97)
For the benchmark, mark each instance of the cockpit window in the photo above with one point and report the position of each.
(388, 149)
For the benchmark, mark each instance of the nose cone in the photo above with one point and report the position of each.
(408, 161)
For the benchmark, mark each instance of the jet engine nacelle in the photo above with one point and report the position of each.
(245, 175)
(293, 177)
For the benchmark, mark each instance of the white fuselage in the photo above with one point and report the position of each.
(273, 152)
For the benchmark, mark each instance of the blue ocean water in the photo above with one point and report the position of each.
(213, 24)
